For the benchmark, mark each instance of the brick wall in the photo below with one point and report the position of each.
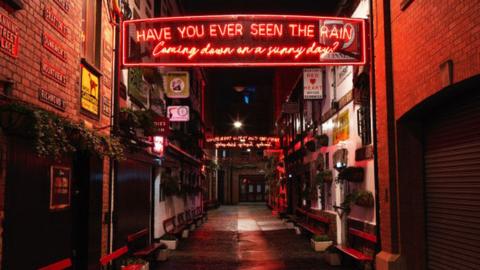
(25, 69)
(424, 36)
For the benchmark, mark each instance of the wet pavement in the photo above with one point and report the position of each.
(243, 237)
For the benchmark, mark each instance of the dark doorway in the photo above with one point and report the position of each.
(132, 199)
(34, 235)
(221, 186)
(252, 188)
(87, 207)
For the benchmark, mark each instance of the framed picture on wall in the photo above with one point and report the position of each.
(60, 187)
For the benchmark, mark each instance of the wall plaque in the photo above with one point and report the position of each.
(55, 22)
(53, 73)
(8, 36)
(51, 99)
(54, 47)
(106, 106)
(63, 4)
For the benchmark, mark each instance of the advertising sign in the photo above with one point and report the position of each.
(244, 40)
(312, 83)
(90, 93)
(244, 142)
(178, 113)
(177, 84)
(60, 182)
(341, 130)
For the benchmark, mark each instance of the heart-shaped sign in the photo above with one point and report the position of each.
(312, 81)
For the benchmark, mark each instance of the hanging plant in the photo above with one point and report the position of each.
(364, 198)
(322, 177)
(310, 145)
(352, 174)
(322, 140)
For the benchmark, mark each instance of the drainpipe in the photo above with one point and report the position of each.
(374, 128)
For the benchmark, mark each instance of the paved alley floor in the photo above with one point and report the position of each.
(244, 237)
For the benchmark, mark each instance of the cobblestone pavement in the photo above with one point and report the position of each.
(244, 237)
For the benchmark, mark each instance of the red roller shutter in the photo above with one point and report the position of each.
(452, 186)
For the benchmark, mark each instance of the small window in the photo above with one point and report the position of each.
(92, 17)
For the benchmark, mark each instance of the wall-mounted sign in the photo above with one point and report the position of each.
(60, 187)
(63, 4)
(162, 124)
(8, 36)
(178, 113)
(177, 84)
(51, 99)
(54, 47)
(341, 74)
(53, 73)
(90, 92)
(244, 142)
(55, 22)
(244, 40)
(312, 83)
(341, 130)
(106, 106)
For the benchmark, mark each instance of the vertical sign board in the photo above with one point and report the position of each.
(90, 93)
(177, 84)
(341, 130)
(162, 125)
(244, 40)
(8, 36)
(178, 113)
(312, 83)
(60, 187)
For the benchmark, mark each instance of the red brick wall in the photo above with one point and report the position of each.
(27, 77)
(425, 35)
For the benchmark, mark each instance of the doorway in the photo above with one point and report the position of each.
(252, 188)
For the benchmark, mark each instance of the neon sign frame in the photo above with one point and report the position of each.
(224, 62)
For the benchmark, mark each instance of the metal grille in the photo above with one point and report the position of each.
(452, 186)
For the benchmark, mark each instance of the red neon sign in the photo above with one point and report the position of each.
(244, 40)
(244, 142)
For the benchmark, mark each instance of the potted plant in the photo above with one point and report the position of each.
(332, 257)
(320, 242)
(162, 253)
(169, 240)
(135, 264)
(352, 174)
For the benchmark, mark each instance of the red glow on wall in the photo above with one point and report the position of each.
(244, 40)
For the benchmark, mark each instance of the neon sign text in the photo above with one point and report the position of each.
(244, 142)
(244, 40)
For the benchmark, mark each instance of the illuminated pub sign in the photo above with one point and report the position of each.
(244, 142)
(244, 40)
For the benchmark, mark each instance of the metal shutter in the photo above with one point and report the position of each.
(452, 186)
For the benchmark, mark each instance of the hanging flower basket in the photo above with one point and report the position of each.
(310, 145)
(324, 177)
(352, 174)
(365, 199)
(322, 140)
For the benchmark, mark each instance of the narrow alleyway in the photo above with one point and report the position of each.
(245, 236)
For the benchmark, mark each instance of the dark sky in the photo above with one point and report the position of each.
(229, 105)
